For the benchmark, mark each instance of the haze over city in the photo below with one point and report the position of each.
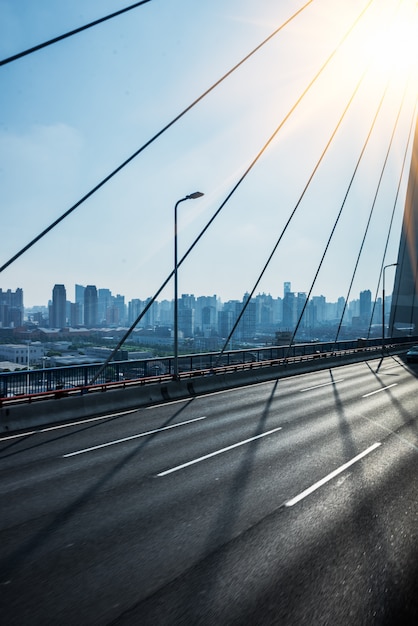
(204, 316)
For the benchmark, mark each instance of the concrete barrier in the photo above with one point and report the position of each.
(16, 417)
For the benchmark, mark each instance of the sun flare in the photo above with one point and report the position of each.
(396, 50)
(389, 43)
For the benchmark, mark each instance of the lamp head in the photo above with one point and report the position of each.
(194, 195)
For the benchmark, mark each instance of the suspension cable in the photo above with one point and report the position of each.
(292, 214)
(19, 55)
(148, 143)
(335, 224)
(336, 221)
(251, 294)
(372, 209)
(242, 178)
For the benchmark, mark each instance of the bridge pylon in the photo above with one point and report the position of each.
(404, 310)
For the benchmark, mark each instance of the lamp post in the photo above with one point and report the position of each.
(28, 365)
(383, 305)
(43, 373)
(192, 196)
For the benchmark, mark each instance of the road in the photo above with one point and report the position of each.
(288, 502)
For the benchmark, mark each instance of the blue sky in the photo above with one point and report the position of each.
(73, 112)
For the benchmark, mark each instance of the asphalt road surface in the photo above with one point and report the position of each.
(288, 502)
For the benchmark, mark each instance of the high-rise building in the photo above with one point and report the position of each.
(247, 325)
(119, 304)
(365, 306)
(58, 311)
(90, 306)
(165, 308)
(104, 302)
(246, 328)
(134, 309)
(11, 308)
(277, 310)
(289, 310)
(340, 307)
(264, 310)
(150, 317)
(225, 322)
(320, 307)
(79, 299)
(203, 323)
(75, 314)
(112, 316)
(300, 306)
(208, 321)
(186, 315)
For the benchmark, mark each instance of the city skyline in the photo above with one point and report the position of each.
(57, 305)
(200, 295)
(203, 322)
(74, 113)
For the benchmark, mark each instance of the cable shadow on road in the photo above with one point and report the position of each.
(64, 435)
(407, 418)
(381, 361)
(412, 368)
(341, 556)
(13, 563)
(61, 436)
(333, 559)
(350, 449)
(222, 529)
(301, 566)
(347, 441)
(15, 441)
(365, 510)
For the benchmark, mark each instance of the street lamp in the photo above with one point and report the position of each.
(383, 306)
(43, 373)
(192, 196)
(28, 366)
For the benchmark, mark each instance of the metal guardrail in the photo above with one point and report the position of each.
(61, 382)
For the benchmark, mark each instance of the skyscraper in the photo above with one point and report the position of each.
(119, 303)
(11, 307)
(79, 300)
(365, 305)
(104, 302)
(90, 306)
(134, 309)
(186, 315)
(246, 328)
(289, 310)
(300, 304)
(58, 317)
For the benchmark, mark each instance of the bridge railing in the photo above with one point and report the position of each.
(30, 385)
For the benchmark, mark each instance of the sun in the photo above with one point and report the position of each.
(395, 49)
(387, 42)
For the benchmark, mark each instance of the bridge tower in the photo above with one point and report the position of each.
(404, 310)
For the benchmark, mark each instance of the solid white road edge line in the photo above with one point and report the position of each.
(67, 425)
(366, 395)
(323, 385)
(211, 393)
(211, 454)
(149, 432)
(339, 470)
